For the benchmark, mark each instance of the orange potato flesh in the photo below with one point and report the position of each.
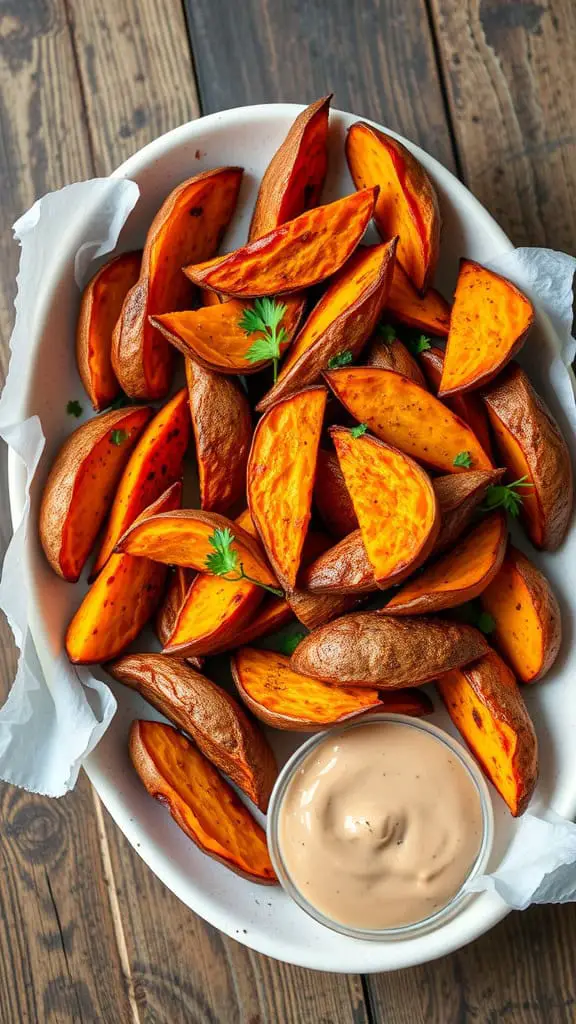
(155, 463)
(187, 229)
(294, 177)
(331, 496)
(406, 205)
(293, 256)
(213, 611)
(100, 308)
(429, 313)
(466, 405)
(201, 802)
(213, 336)
(489, 323)
(458, 576)
(513, 457)
(120, 602)
(394, 501)
(281, 471)
(405, 415)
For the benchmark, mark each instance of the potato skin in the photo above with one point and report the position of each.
(394, 356)
(331, 496)
(459, 495)
(366, 648)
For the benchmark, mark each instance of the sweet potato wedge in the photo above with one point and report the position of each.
(293, 180)
(188, 228)
(406, 206)
(394, 501)
(489, 323)
(467, 405)
(120, 602)
(295, 255)
(215, 721)
(458, 576)
(530, 445)
(155, 463)
(222, 425)
(459, 495)
(213, 337)
(485, 704)
(281, 471)
(331, 496)
(174, 597)
(429, 313)
(201, 802)
(343, 320)
(314, 610)
(272, 615)
(407, 416)
(100, 308)
(393, 355)
(81, 484)
(284, 699)
(367, 648)
(527, 620)
(213, 612)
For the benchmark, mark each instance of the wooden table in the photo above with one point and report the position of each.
(87, 933)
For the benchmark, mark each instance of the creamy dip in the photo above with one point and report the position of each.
(380, 826)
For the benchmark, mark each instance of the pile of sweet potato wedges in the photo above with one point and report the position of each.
(359, 443)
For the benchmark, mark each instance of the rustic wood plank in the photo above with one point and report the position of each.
(376, 56)
(508, 72)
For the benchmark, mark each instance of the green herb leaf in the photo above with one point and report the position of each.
(264, 316)
(463, 459)
(418, 345)
(120, 403)
(225, 559)
(340, 359)
(485, 623)
(506, 496)
(74, 408)
(359, 430)
(288, 644)
(472, 614)
(118, 437)
(387, 333)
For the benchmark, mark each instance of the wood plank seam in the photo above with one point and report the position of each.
(443, 86)
(81, 87)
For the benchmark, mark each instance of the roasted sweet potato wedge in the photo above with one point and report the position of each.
(343, 320)
(121, 601)
(281, 471)
(295, 255)
(407, 205)
(467, 405)
(458, 576)
(530, 445)
(214, 611)
(486, 706)
(393, 355)
(459, 496)
(284, 699)
(366, 648)
(293, 180)
(527, 620)
(201, 802)
(188, 228)
(489, 324)
(155, 463)
(407, 416)
(314, 610)
(174, 597)
(222, 426)
(394, 501)
(213, 337)
(331, 496)
(214, 720)
(272, 615)
(81, 483)
(429, 313)
(100, 308)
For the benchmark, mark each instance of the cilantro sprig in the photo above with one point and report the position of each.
(387, 333)
(506, 496)
(463, 459)
(118, 437)
(225, 559)
(288, 644)
(74, 408)
(340, 359)
(359, 430)
(418, 345)
(264, 317)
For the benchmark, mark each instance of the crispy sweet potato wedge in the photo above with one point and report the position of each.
(343, 320)
(100, 308)
(467, 405)
(407, 416)
(295, 255)
(530, 445)
(188, 228)
(155, 463)
(429, 313)
(528, 624)
(331, 496)
(293, 180)
(272, 615)
(406, 206)
(490, 320)
(81, 483)
(284, 699)
(395, 356)
(201, 802)
(459, 496)
(394, 501)
(281, 471)
(485, 704)
(178, 586)
(214, 720)
(213, 337)
(458, 576)
(367, 648)
(121, 601)
(222, 425)
(213, 612)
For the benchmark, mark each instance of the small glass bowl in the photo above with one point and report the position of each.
(408, 931)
